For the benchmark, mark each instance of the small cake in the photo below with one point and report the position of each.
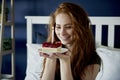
(48, 47)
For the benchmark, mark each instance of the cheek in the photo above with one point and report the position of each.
(57, 33)
(70, 32)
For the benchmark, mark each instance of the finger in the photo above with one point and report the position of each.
(40, 50)
(40, 53)
(45, 54)
(53, 55)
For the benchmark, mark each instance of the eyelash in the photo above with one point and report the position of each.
(68, 27)
(58, 27)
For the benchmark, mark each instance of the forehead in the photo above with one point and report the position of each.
(63, 18)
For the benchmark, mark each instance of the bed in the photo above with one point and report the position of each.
(108, 53)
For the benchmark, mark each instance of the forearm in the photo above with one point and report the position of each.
(65, 68)
(49, 71)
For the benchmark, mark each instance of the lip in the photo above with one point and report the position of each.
(65, 38)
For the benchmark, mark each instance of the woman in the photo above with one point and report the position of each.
(72, 28)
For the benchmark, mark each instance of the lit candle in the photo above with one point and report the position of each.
(52, 34)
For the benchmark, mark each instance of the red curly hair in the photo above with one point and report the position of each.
(84, 45)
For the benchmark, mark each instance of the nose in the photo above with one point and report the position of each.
(62, 32)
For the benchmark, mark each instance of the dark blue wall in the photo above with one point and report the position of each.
(44, 8)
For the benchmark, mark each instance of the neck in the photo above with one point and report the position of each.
(69, 46)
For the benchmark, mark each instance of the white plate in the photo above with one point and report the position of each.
(63, 50)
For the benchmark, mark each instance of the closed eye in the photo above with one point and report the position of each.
(68, 27)
(57, 27)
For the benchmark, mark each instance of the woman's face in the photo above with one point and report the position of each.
(64, 28)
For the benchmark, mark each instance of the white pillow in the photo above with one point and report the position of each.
(110, 57)
(34, 62)
(110, 69)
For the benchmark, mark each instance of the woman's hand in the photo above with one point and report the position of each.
(52, 55)
(64, 56)
(65, 65)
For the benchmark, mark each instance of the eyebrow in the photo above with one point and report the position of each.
(66, 24)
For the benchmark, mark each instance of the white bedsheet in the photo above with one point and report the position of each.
(110, 57)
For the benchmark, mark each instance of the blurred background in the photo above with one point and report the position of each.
(45, 8)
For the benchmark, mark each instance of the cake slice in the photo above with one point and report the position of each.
(48, 47)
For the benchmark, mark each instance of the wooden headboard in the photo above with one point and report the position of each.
(97, 21)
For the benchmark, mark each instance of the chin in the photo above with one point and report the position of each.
(65, 43)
